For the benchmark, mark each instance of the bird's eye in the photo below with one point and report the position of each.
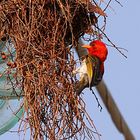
(92, 44)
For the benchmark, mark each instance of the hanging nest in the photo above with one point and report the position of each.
(43, 33)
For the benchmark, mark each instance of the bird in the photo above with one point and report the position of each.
(92, 66)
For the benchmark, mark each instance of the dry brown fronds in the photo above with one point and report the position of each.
(41, 31)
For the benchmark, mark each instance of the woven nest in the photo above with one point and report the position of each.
(43, 33)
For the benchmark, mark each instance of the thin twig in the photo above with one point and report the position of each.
(111, 42)
(119, 3)
(99, 105)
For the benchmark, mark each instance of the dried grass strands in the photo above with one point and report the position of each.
(41, 31)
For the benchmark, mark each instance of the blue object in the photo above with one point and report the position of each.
(11, 103)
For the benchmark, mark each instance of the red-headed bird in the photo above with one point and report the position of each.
(92, 67)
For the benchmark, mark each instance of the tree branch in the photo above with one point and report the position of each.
(114, 112)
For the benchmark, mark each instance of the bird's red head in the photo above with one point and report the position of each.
(97, 48)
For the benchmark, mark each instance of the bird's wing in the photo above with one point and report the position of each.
(90, 69)
(93, 70)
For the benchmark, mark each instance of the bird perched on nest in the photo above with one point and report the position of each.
(92, 66)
